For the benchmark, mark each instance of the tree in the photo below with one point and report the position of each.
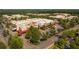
(60, 43)
(72, 22)
(73, 45)
(69, 33)
(63, 23)
(77, 20)
(77, 40)
(15, 42)
(2, 45)
(55, 47)
(34, 35)
(28, 34)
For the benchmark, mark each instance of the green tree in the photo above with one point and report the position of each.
(15, 42)
(63, 23)
(73, 45)
(28, 35)
(55, 47)
(2, 45)
(77, 40)
(33, 34)
(77, 20)
(70, 33)
(72, 22)
(60, 43)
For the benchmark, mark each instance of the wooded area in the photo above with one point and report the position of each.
(23, 11)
